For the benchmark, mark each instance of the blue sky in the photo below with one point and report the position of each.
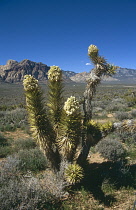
(58, 32)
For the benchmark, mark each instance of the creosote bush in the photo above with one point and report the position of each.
(22, 192)
(32, 160)
(21, 144)
(5, 146)
(112, 150)
(59, 128)
(4, 141)
(10, 120)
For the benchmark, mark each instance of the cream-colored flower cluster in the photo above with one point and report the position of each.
(92, 49)
(55, 73)
(30, 83)
(71, 106)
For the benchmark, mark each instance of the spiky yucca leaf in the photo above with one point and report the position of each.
(55, 101)
(73, 173)
(41, 128)
(71, 129)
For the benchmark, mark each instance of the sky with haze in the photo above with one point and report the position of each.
(58, 32)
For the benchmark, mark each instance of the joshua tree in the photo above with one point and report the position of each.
(101, 68)
(40, 125)
(59, 132)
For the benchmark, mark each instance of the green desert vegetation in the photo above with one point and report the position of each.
(53, 168)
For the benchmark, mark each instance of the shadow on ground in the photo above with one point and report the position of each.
(117, 174)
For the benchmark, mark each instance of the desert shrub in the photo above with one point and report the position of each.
(122, 175)
(115, 106)
(81, 200)
(25, 195)
(121, 115)
(4, 141)
(99, 115)
(10, 120)
(7, 127)
(127, 137)
(18, 192)
(107, 187)
(9, 169)
(127, 131)
(111, 149)
(32, 159)
(5, 151)
(55, 184)
(133, 114)
(11, 107)
(130, 99)
(5, 148)
(24, 144)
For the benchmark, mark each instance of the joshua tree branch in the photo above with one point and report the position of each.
(101, 68)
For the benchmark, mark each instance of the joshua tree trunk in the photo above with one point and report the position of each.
(101, 68)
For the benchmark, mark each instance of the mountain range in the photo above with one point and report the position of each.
(13, 72)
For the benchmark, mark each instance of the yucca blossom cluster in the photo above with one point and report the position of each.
(92, 49)
(71, 106)
(30, 83)
(55, 73)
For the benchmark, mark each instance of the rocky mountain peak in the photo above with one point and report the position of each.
(11, 62)
(14, 71)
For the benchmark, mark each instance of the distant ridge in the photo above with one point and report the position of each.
(123, 75)
(13, 72)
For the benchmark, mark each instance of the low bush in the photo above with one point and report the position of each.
(130, 99)
(127, 131)
(18, 192)
(116, 106)
(32, 159)
(127, 137)
(121, 115)
(7, 127)
(110, 149)
(22, 144)
(55, 184)
(107, 187)
(133, 113)
(5, 151)
(25, 195)
(122, 175)
(10, 120)
(5, 148)
(4, 141)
